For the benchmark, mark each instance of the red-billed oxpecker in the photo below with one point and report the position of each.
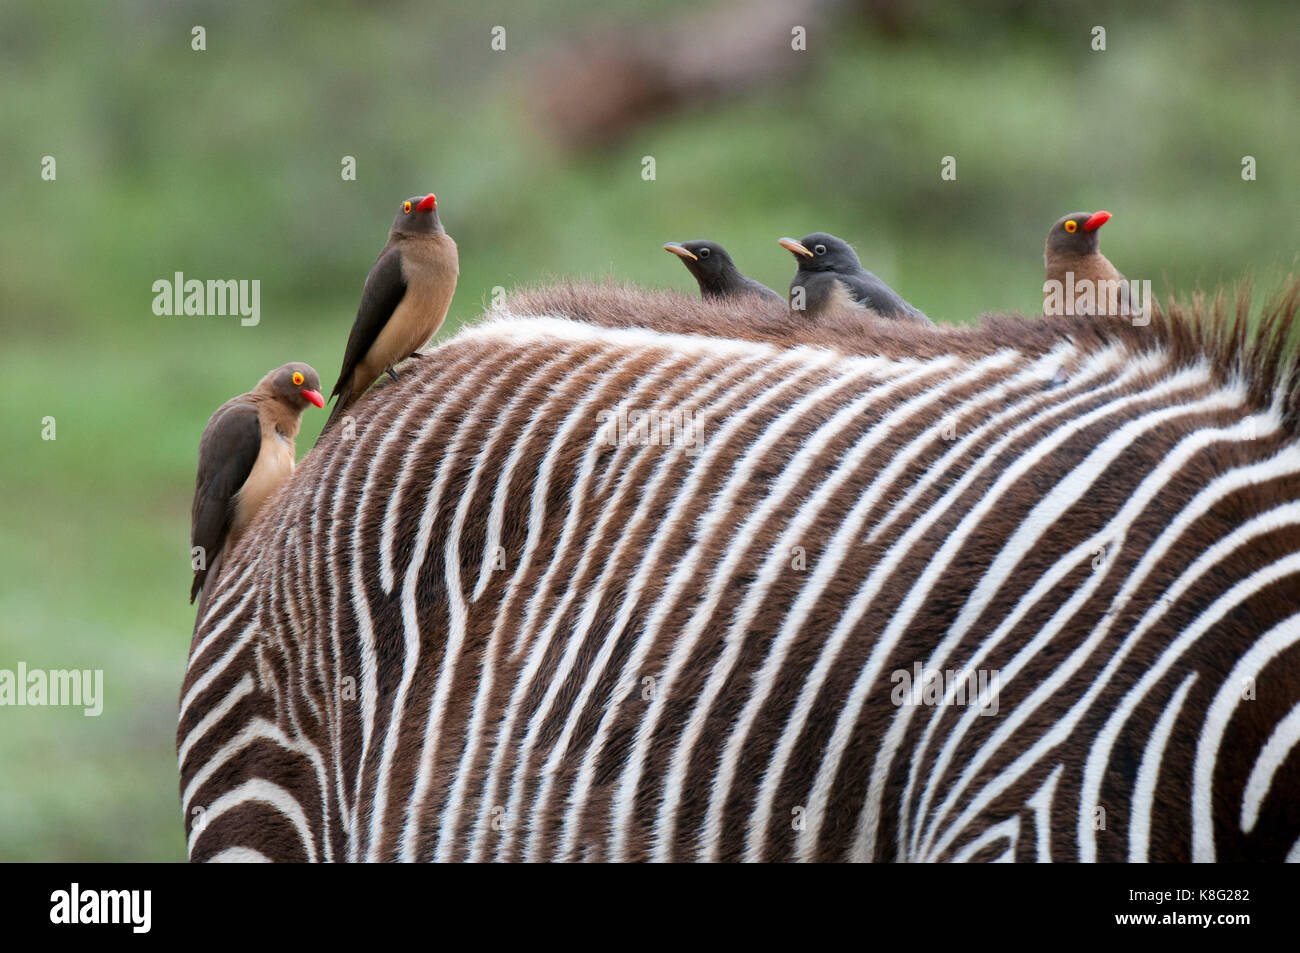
(1073, 260)
(245, 455)
(403, 303)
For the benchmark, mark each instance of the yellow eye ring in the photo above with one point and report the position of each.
(297, 379)
(1071, 226)
(406, 207)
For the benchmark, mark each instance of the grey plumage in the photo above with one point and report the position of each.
(715, 272)
(829, 270)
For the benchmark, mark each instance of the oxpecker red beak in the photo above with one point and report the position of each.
(428, 202)
(315, 397)
(790, 245)
(1097, 220)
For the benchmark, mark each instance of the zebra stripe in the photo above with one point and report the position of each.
(484, 622)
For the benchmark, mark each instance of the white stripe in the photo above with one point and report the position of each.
(738, 378)
(360, 606)
(1271, 644)
(522, 678)
(897, 376)
(433, 417)
(1278, 748)
(621, 804)
(1008, 830)
(524, 332)
(364, 639)
(1114, 535)
(1016, 411)
(1041, 802)
(522, 439)
(242, 688)
(457, 609)
(208, 677)
(838, 551)
(257, 729)
(261, 790)
(1282, 464)
(918, 594)
(853, 370)
(719, 581)
(329, 656)
(466, 427)
(1099, 755)
(240, 855)
(227, 591)
(282, 586)
(1148, 774)
(474, 734)
(525, 676)
(219, 629)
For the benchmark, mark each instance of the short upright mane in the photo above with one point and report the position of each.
(1215, 330)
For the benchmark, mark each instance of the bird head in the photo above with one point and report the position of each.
(705, 260)
(296, 384)
(418, 215)
(1076, 233)
(822, 252)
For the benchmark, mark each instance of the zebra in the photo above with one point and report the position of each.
(617, 575)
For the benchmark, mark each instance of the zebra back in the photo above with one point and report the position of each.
(617, 575)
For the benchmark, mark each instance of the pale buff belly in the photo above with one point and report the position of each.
(841, 298)
(408, 330)
(416, 320)
(273, 467)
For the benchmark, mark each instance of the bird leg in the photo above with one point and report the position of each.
(390, 372)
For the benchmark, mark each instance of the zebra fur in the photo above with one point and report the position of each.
(477, 625)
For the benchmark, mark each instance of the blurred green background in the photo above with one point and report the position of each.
(226, 163)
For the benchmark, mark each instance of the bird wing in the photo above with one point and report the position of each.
(879, 297)
(384, 290)
(227, 452)
(874, 293)
(760, 289)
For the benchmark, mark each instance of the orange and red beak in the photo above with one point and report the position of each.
(428, 202)
(797, 247)
(681, 251)
(314, 396)
(1096, 221)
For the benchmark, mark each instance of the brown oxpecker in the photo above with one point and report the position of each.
(1072, 258)
(245, 454)
(403, 303)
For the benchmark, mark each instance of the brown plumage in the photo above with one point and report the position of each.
(1072, 256)
(245, 454)
(403, 303)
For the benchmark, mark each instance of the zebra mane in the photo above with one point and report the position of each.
(1262, 355)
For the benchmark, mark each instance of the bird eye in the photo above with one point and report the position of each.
(298, 378)
(819, 249)
(406, 207)
(1071, 225)
(704, 253)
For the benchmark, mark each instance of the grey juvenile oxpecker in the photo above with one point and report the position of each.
(715, 272)
(830, 274)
